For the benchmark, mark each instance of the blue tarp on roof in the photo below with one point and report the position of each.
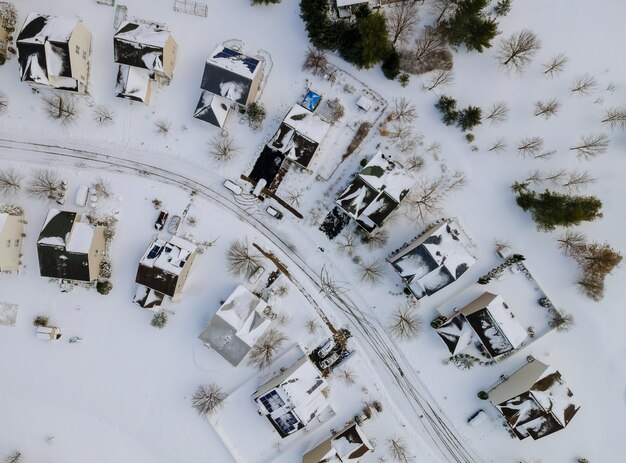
(311, 100)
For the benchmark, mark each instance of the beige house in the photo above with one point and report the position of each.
(145, 52)
(345, 446)
(54, 52)
(69, 247)
(164, 269)
(11, 232)
(534, 401)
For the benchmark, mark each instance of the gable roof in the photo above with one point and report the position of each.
(140, 45)
(212, 108)
(345, 446)
(237, 325)
(375, 192)
(133, 83)
(229, 74)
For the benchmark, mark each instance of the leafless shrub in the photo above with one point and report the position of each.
(281, 291)
(401, 22)
(315, 61)
(10, 182)
(548, 108)
(425, 200)
(370, 273)
(614, 117)
(311, 326)
(414, 163)
(571, 242)
(4, 102)
(405, 322)
(545, 154)
(530, 146)
(376, 239)
(426, 43)
(562, 321)
(347, 376)
(408, 143)
(192, 221)
(429, 53)
(399, 132)
(403, 110)
(592, 145)
(163, 127)
(337, 110)
(516, 51)
(347, 243)
(103, 188)
(223, 149)
(241, 260)
(399, 450)
(440, 78)
(208, 399)
(497, 146)
(576, 180)
(555, 176)
(44, 184)
(498, 112)
(293, 197)
(283, 318)
(103, 114)
(556, 65)
(61, 107)
(15, 457)
(262, 354)
(584, 84)
(502, 246)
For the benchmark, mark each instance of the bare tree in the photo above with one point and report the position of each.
(241, 261)
(282, 290)
(399, 450)
(401, 22)
(336, 110)
(571, 242)
(497, 146)
(44, 184)
(530, 146)
(556, 65)
(347, 243)
(414, 163)
(315, 61)
(548, 108)
(223, 149)
(589, 146)
(614, 117)
(370, 272)
(15, 457)
(163, 127)
(575, 180)
(444, 9)
(4, 102)
(498, 112)
(103, 114)
(555, 176)
(103, 188)
(426, 43)
(536, 176)
(426, 198)
(516, 51)
(545, 154)
(10, 182)
(562, 321)
(440, 78)
(407, 143)
(592, 286)
(293, 197)
(376, 239)
(399, 132)
(61, 107)
(311, 326)
(208, 399)
(584, 84)
(502, 246)
(262, 354)
(403, 110)
(347, 376)
(405, 322)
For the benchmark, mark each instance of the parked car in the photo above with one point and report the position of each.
(81, 195)
(160, 222)
(477, 418)
(232, 186)
(326, 348)
(274, 213)
(330, 360)
(174, 224)
(256, 275)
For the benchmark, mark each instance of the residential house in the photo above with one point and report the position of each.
(237, 326)
(69, 247)
(535, 401)
(434, 260)
(145, 52)
(345, 446)
(375, 192)
(164, 268)
(487, 322)
(230, 78)
(293, 399)
(11, 233)
(54, 52)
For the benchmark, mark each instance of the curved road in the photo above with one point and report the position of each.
(440, 438)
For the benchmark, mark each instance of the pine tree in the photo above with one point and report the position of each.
(551, 209)
(469, 118)
(366, 42)
(447, 107)
(469, 26)
(391, 65)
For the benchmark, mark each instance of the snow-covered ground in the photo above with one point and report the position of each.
(123, 394)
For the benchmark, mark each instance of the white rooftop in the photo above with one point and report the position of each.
(168, 256)
(144, 33)
(80, 238)
(56, 29)
(307, 123)
(234, 61)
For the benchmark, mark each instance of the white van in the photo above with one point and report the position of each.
(81, 195)
(232, 186)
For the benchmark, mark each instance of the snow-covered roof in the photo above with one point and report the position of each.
(434, 260)
(65, 229)
(170, 257)
(3, 219)
(80, 238)
(535, 401)
(237, 325)
(233, 61)
(133, 83)
(40, 28)
(345, 446)
(343, 3)
(142, 33)
(212, 108)
(364, 103)
(307, 123)
(375, 192)
(141, 45)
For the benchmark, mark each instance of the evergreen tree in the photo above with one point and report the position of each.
(468, 25)
(391, 65)
(366, 42)
(469, 118)
(447, 107)
(551, 209)
(265, 2)
(314, 13)
(502, 8)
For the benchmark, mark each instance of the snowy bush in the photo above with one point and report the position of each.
(207, 399)
(159, 320)
(41, 320)
(105, 269)
(262, 354)
(104, 287)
